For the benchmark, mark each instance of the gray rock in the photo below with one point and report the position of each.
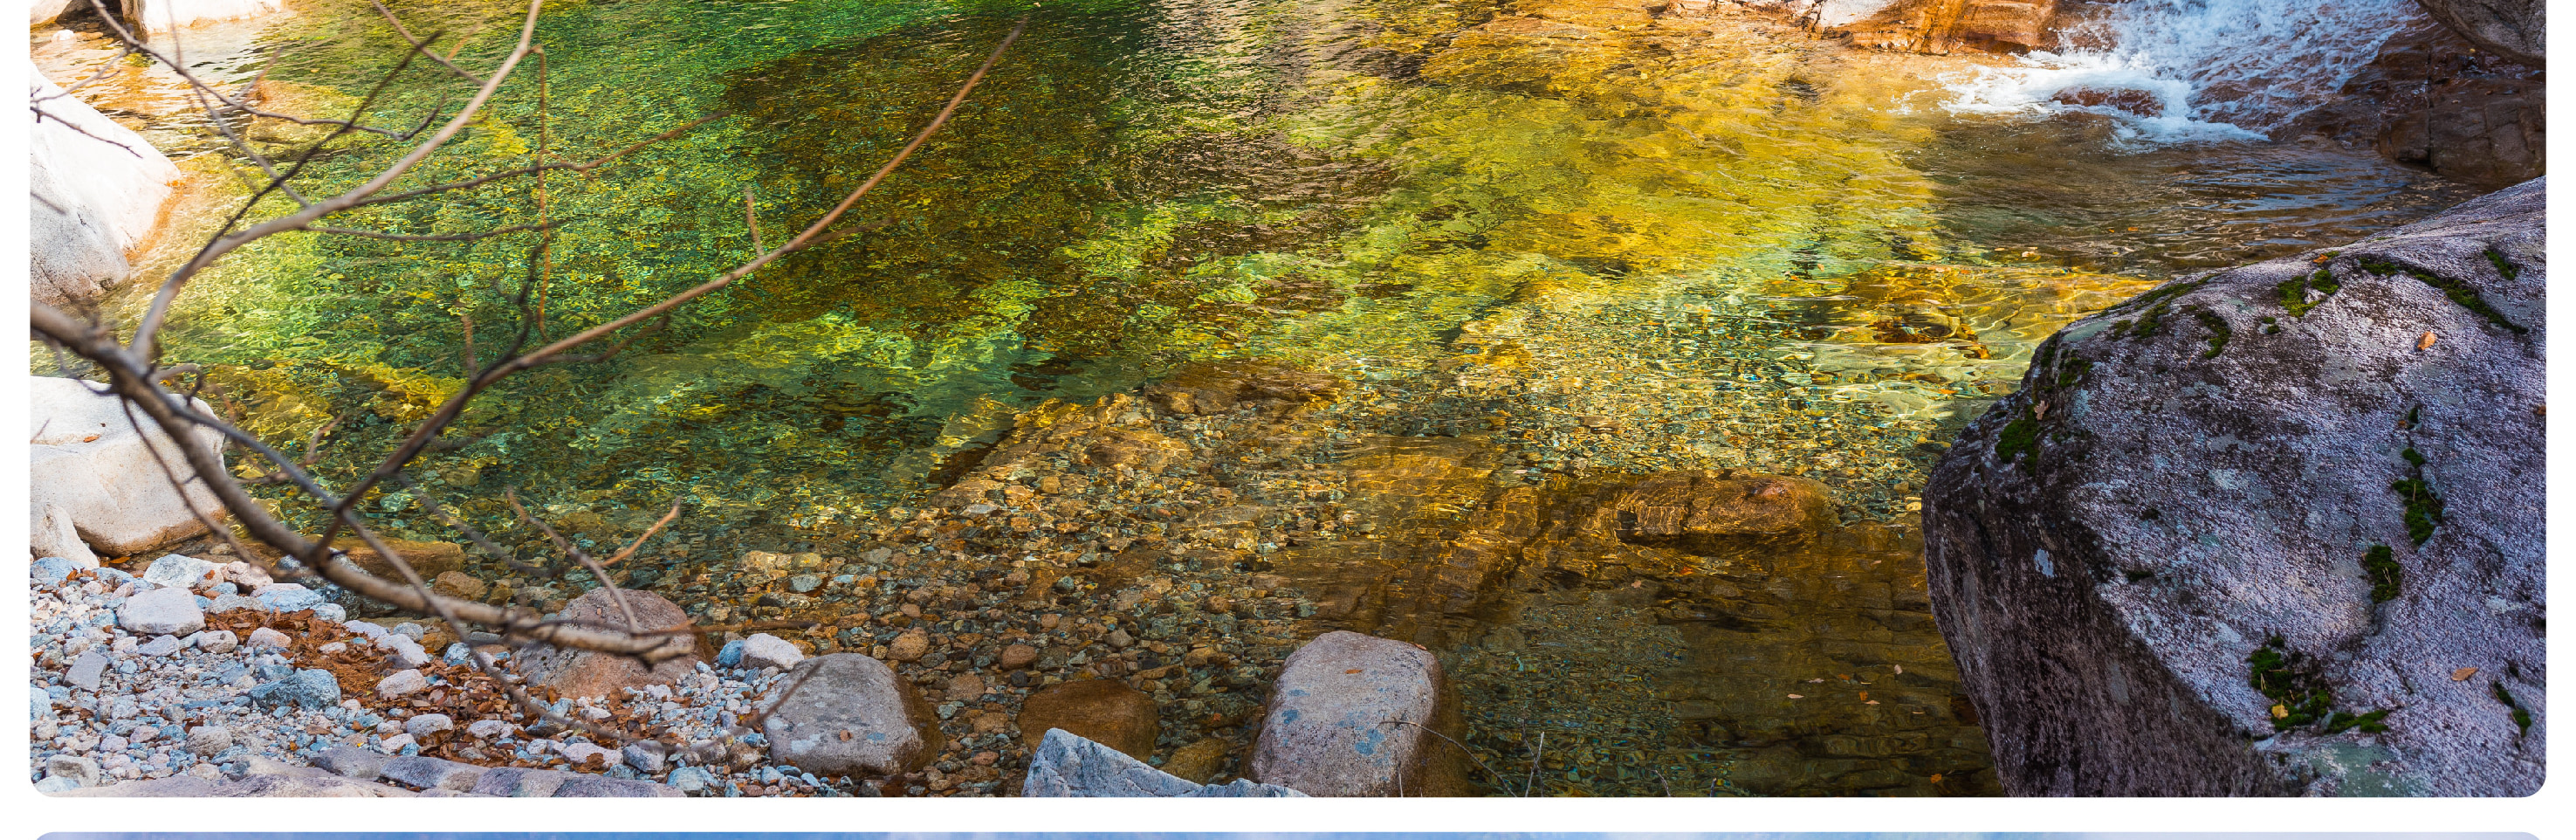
(762, 650)
(423, 726)
(405, 652)
(251, 786)
(215, 641)
(229, 603)
(161, 646)
(2109, 570)
(2515, 29)
(87, 669)
(691, 779)
(647, 756)
(287, 597)
(1069, 765)
(178, 570)
(519, 782)
(422, 771)
(209, 740)
(312, 688)
(82, 771)
(354, 762)
(400, 683)
(161, 611)
(1354, 715)
(850, 715)
(586, 786)
(47, 571)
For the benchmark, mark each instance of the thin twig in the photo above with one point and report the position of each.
(630, 548)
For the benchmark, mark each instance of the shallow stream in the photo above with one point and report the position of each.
(1545, 242)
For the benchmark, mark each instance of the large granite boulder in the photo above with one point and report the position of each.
(2516, 29)
(582, 673)
(2272, 530)
(849, 715)
(1069, 765)
(93, 469)
(95, 190)
(1356, 715)
(167, 15)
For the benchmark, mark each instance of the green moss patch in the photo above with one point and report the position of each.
(2459, 292)
(2502, 267)
(2423, 508)
(2380, 564)
(2218, 332)
(2521, 716)
(2366, 722)
(2019, 436)
(2299, 697)
(2294, 291)
(2073, 371)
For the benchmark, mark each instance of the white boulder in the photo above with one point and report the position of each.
(167, 15)
(90, 465)
(95, 191)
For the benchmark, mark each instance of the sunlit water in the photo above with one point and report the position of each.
(1749, 249)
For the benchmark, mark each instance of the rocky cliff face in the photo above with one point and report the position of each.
(2273, 530)
(2432, 98)
(1941, 26)
(2515, 28)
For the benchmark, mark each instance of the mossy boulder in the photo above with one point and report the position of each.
(2271, 530)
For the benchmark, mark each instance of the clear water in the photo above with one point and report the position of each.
(1750, 249)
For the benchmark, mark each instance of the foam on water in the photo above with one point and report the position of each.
(2217, 69)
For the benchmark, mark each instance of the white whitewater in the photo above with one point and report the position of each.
(2218, 68)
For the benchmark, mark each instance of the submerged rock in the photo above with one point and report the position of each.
(1355, 715)
(1106, 711)
(1066, 764)
(2271, 530)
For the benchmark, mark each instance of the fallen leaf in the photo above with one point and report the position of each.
(88, 439)
(2462, 675)
(2280, 711)
(1352, 671)
(1936, 778)
(2426, 342)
